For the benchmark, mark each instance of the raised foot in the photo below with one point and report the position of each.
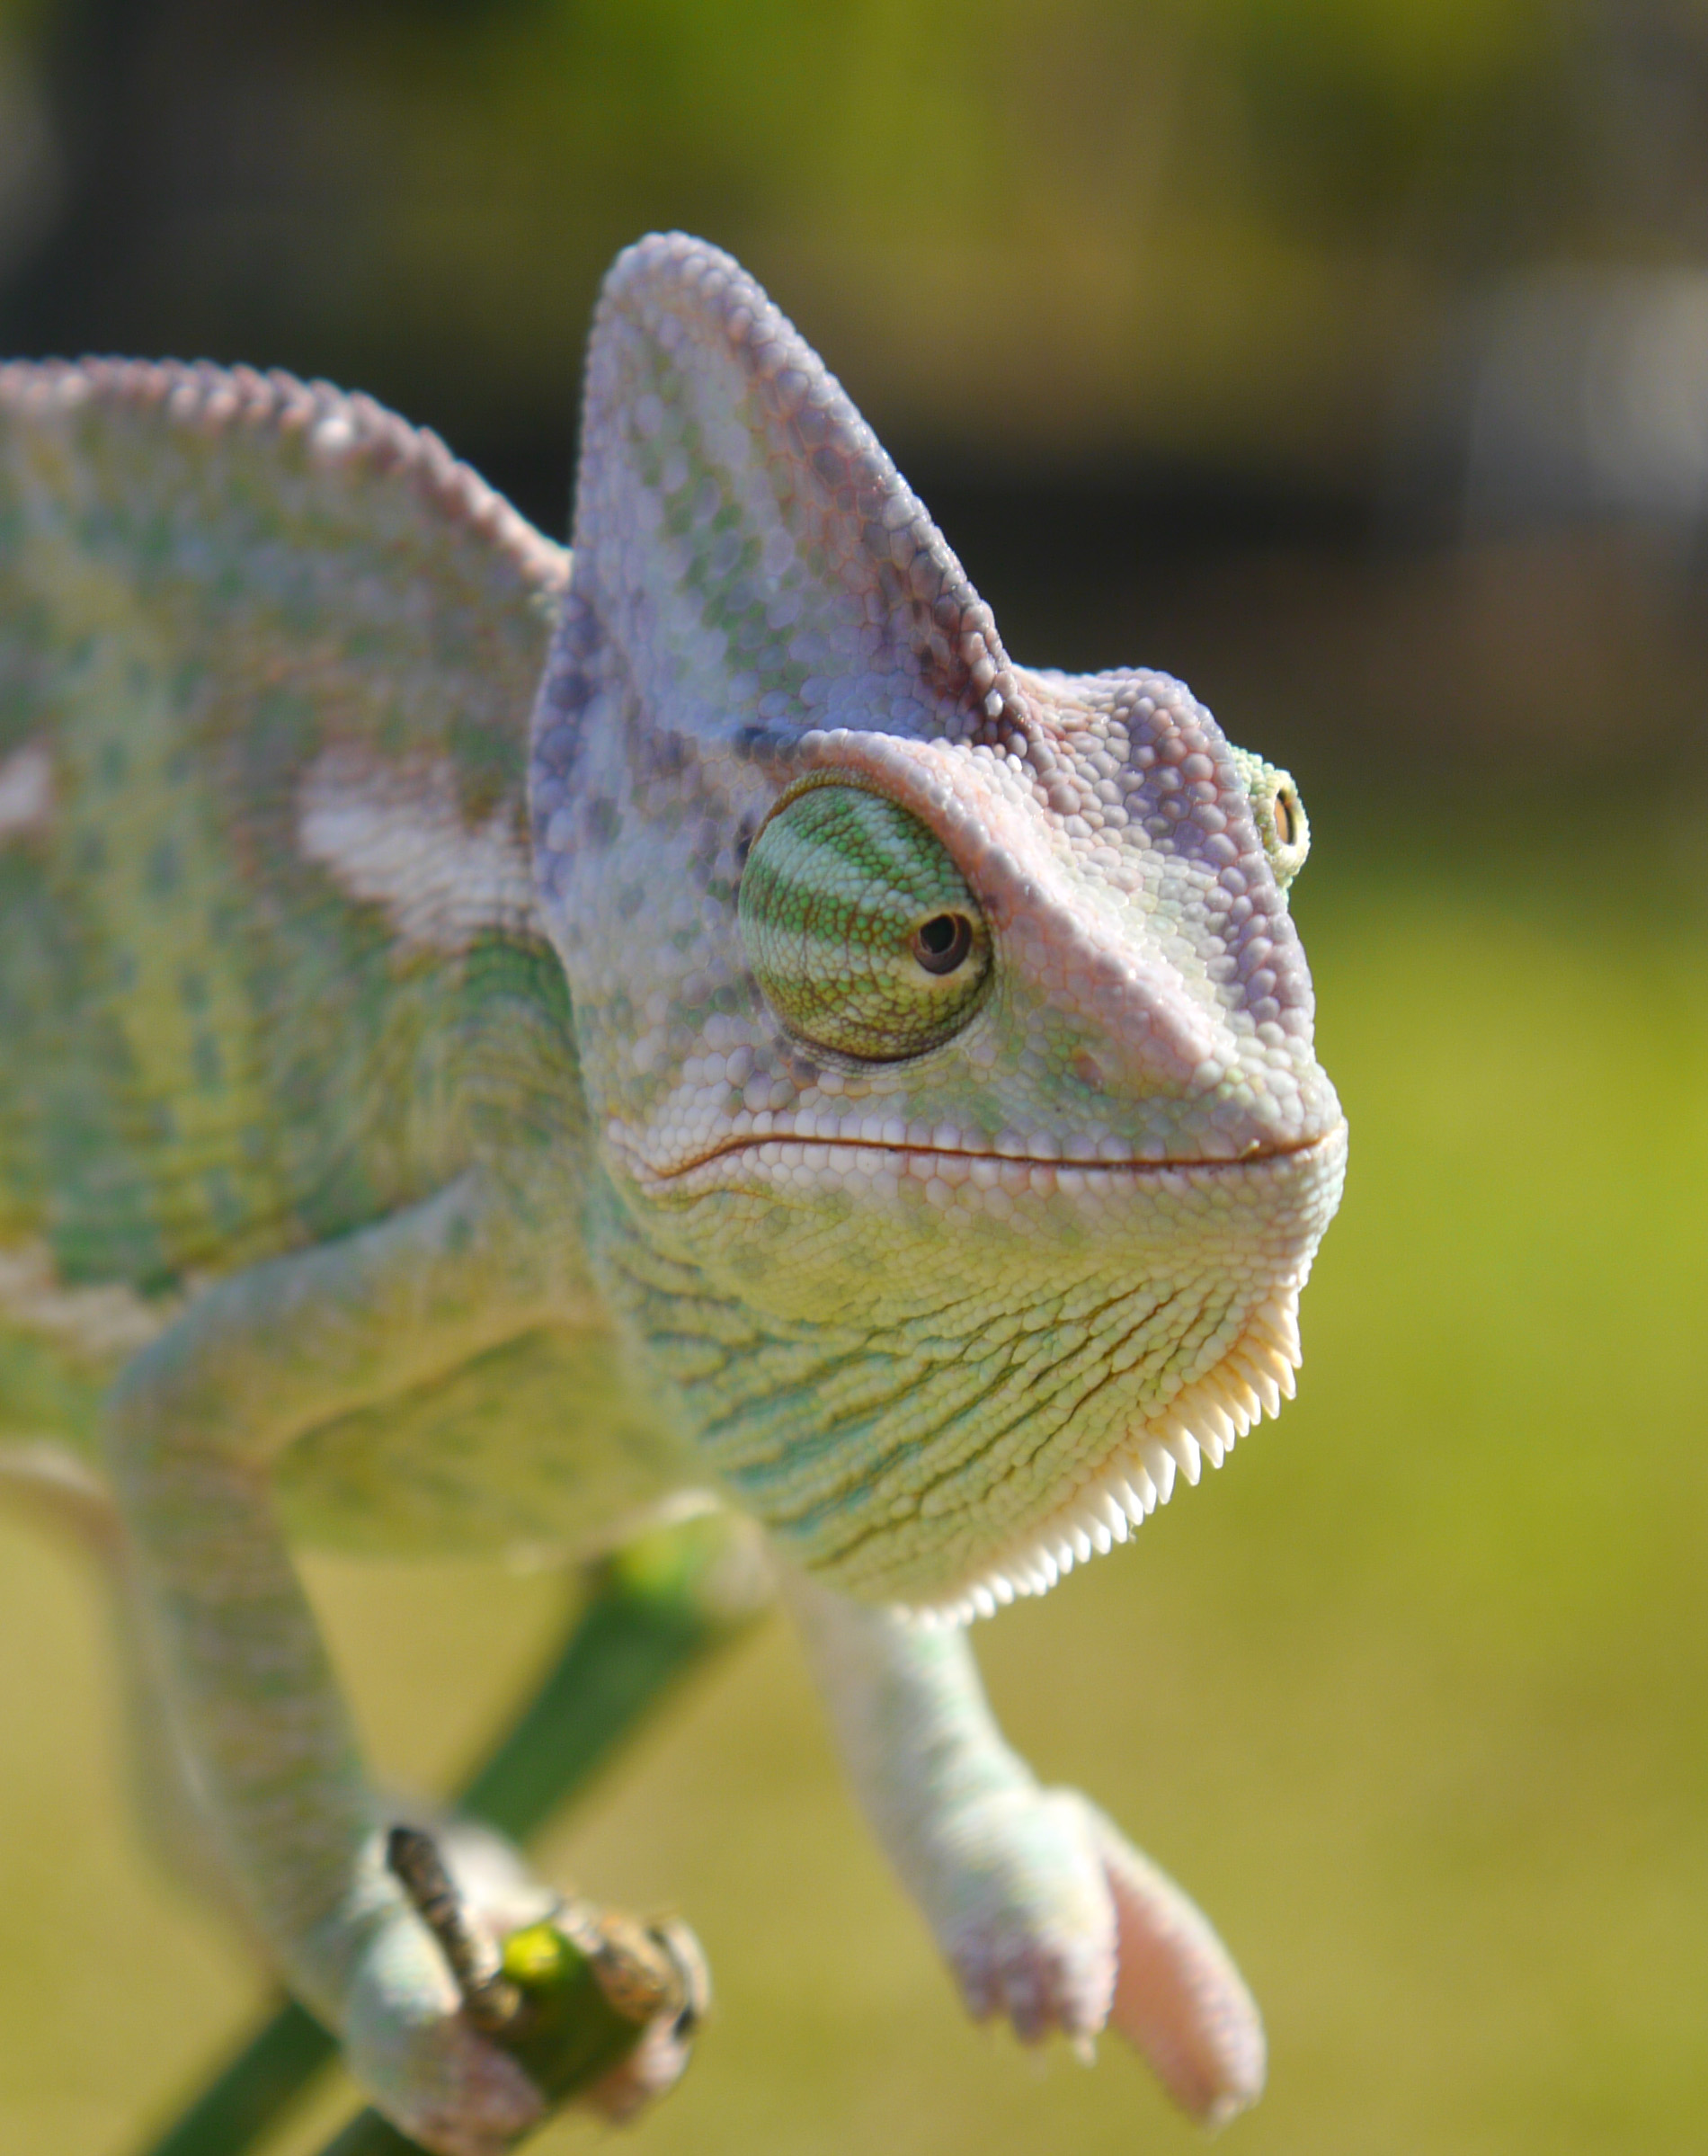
(1055, 1921)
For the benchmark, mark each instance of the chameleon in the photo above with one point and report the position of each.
(495, 1039)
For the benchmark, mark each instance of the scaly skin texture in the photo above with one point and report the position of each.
(835, 1067)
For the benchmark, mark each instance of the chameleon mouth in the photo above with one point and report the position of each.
(1007, 1528)
(980, 1165)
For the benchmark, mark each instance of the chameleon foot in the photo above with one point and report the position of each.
(580, 2004)
(1053, 1920)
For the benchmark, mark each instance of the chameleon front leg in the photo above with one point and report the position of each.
(194, 1423)
(1042, 1907)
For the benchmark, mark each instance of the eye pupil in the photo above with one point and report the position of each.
(941, 943)
(938, 935)
(1283, 822)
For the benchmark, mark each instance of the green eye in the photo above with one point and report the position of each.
(1287, 836)
(860, 929)
(1279, 812)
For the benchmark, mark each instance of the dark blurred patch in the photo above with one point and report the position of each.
(1349, 359)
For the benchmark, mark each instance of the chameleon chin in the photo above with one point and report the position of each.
(812, 1059)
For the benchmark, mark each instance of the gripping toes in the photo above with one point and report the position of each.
(488, 2000)
(408, 2037)
(409, 2043)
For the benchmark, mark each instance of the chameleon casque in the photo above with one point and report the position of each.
(822, 1064)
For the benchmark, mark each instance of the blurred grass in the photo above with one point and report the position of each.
(1209, 229)
(1412, 1697)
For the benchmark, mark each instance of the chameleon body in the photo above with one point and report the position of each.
(819, 1062)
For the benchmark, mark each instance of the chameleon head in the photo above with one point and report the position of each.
(949, 1044)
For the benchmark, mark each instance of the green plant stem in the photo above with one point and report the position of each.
(655, 1610)
(368, 2135)
(262, 2081)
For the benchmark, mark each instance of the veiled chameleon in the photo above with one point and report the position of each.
(822, 1063)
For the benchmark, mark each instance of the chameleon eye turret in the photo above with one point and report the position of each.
(1279, 814)
(862, 931)
(1287, 835)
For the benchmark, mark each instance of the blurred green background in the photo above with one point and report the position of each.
(1350, 358)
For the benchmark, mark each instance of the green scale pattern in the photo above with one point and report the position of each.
(837, 892)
